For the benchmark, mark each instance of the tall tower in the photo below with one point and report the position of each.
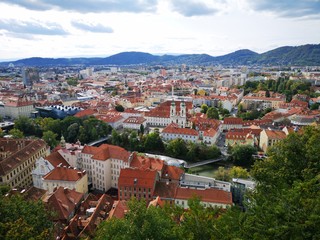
(173, 109)
(183, 109)
(30, 76)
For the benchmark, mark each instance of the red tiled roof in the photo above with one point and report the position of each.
(232, 120)
(175, 129)
(106, 151)
(18, 151)
(86, 112)
(89, 149)
(206, 195)
(165, 190)
(172, 172)
(144, 162)
(135, 120)
(65, 174)
(64, 201)
(156, 202)
(275, 134)
(119, 209)
(55, 159)
(132, 177)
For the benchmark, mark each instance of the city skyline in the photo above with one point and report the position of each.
(45, 28)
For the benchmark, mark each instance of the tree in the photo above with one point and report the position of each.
(119, 108)
(25, 125)
(238, 172)
(153, 142)
(222, 174)
(177, 148)
(16, 133)
(204, 108)
(115, 137)
(22, 219)
(142, 129)
(50, 138)
(285, 203)
(198, 222)
(72, 132)
(212, 113)
(140, 223)
(241, 155)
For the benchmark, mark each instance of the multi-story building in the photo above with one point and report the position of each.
(103, 165)
(270, 137)
(15, 108)
(208, 197)
(66, 177)
(30, 76)
(135, 123)
(169, 112)
(173, 131)
(44, 165)
(17, 160)
(138, 183)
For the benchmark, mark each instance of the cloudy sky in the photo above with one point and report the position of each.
(65, 28)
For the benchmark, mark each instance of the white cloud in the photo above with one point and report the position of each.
(214, 27)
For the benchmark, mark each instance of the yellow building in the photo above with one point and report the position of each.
(17, 160)
(270, 137)
(71, 178)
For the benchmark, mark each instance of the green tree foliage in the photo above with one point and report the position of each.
(204, 108)
(177, 148)
(238, 172)
(241, 155)
(25, 125)
(21, 219)
(212, 113)
(198, 222)
(119, 108)
(153, 142)
(50, 138)
(140, 223)
(286, 203)
(16, 133)
(222, 174)
(72, 81)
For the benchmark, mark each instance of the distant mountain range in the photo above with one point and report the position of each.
(301, 55)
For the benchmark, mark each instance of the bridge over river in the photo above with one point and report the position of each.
(205, 162)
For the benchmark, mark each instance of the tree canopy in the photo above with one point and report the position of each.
(22, 219)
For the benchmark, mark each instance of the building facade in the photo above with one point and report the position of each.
(17, 160)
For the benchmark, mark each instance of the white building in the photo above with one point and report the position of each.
(103, 165)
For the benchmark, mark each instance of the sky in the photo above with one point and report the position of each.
(86, 28)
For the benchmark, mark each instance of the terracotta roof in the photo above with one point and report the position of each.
(135, 120)
(133, 177)
(64, 201)
(210, 133)
(64, 174)
(119, 209)
(143, 162)
(175, 129)
(172, 172)
(106, 151)
(89, 149)
(55, 159)
(165, 190)
(206, 195)
(17, 151)
(232, 120)
(86, 112)
(275, 134)
(156, 202)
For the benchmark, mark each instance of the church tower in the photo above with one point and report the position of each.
(183, 109)
(173, 109)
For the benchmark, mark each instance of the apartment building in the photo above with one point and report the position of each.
(17, 160)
